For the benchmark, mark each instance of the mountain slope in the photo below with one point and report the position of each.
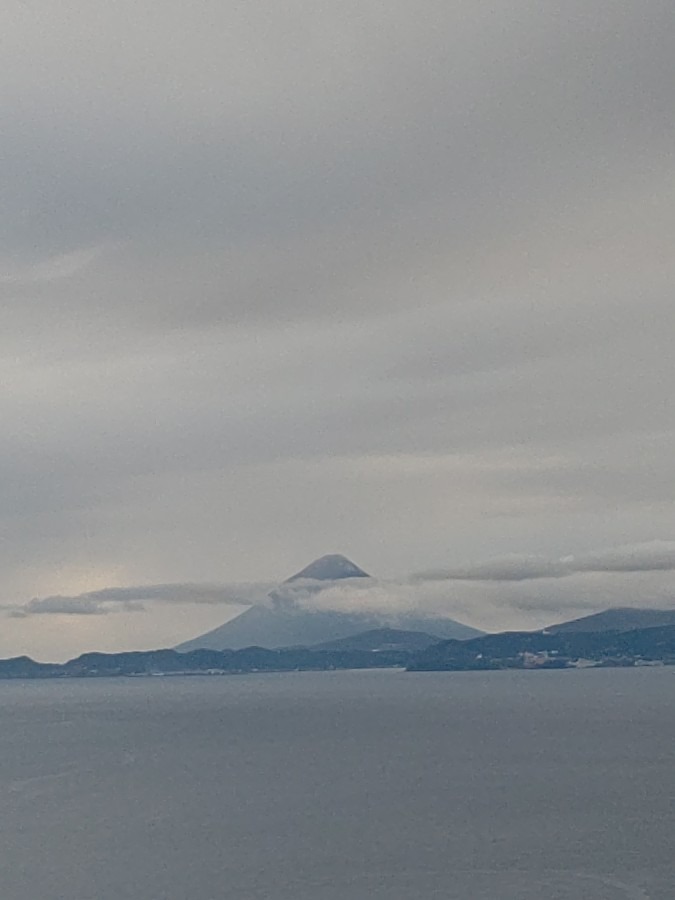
(380, 639)
(262, 626)
(283, 624)
(623, 619)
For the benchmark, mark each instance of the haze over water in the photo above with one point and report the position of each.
(340, 786)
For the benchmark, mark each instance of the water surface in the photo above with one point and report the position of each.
(340, 786)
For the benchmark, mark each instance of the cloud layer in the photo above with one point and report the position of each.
(136, 599)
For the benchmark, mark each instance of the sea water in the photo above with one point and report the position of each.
(340, 786)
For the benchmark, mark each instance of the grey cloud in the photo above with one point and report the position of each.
(510, 568)
(135, 599)
(655, 556)
(518, 590)
(67, 606)
(420, 592)
(507, 604)
(411, 108)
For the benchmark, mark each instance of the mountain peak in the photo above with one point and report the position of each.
(332, 567)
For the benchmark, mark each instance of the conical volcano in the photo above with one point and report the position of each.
(329, 568)
(283, 623)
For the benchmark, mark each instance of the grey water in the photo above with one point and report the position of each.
(340, 786)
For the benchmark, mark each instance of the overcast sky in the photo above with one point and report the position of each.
(389, 279)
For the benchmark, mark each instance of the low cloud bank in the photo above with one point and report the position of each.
(137, 598)
(514, 591)
(519, 591)
(653, 556)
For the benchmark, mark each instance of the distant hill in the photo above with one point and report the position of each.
(508, 650)
(281, 623)
(545, 650)
(623, 619)
(203, 662)
(381, 639)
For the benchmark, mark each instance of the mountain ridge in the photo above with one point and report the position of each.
(380, 639)
(546, 650)
(625, 618)
(505, 650)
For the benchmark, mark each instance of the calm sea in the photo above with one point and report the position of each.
(340, 786)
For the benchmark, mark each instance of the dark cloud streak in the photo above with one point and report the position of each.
(658, 556)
